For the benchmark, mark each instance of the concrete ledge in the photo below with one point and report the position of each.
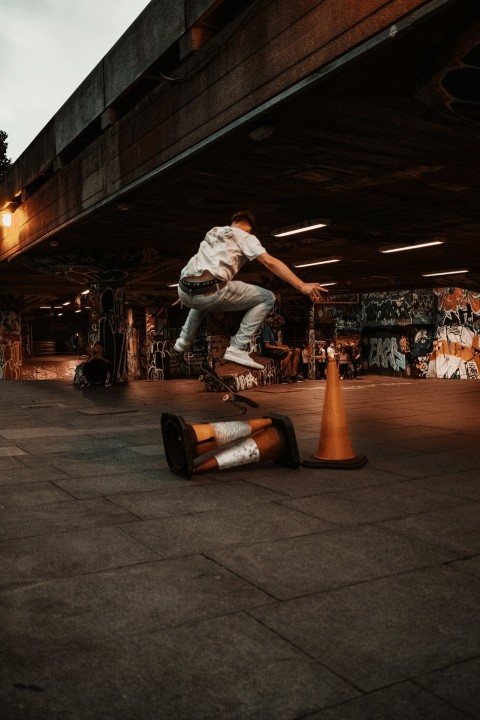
(242, 378)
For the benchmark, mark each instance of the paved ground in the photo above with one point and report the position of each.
(261, 592)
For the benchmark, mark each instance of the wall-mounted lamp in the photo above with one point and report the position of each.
(7, 219)
(324, 261)
(445, 272)
(415, 246)
(300, 227)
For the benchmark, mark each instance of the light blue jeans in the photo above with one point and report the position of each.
(236, 295)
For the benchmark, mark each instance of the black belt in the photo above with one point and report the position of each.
(204, 287)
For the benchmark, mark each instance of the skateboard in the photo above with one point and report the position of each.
(230, 395)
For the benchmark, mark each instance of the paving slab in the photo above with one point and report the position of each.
(405, 701)
(465, 485)
(225, 667)
(91, 464)
(470, 565)
(6, 451)
(39, 519)
(126, 482)
(308, 482)
(53, 431)
(21, 473)
(382, 632)
(193, 498)
(77, 445)
(69, 553)
(322, 561)
(369, 505)
(457, 685)
(55, 615)
(206, 531)
(457, 528)
(31, 494)
(454, 442)
(9, 462)
(414, 464)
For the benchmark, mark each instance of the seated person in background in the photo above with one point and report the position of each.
(271, 348)
(97, 369)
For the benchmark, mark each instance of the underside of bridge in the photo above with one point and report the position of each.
(381, 140)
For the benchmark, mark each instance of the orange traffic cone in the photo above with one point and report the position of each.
(277, 443)
(184, 443)
(334, 447)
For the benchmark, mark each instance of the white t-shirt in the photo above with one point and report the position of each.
(222, 252)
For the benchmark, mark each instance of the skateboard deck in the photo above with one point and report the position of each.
(230, 395)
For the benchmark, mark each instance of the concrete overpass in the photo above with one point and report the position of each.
(362, 113)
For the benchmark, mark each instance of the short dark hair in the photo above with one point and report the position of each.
(244, 215)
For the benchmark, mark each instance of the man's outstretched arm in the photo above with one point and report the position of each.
(278, 268)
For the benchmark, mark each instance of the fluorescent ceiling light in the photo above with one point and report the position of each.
(173, 285)
(85, 292)
(77, 311)
(401, 248)
(66, 303)
(327, 284)
(45, 307)
(445, 272)
(325, 261)
(300, 227)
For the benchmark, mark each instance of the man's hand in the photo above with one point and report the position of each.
(278, 268)
(313, 290)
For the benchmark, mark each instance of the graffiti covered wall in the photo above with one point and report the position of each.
(399, 330)
(456, 351)
(10, 345)
(400, 351)
(404, 307)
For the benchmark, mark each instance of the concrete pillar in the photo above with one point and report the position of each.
(311, 341)
(108, 324)
(159, 358)
(10, 345)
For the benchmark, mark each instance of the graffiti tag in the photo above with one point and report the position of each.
(384, 352)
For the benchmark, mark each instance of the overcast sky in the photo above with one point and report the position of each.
(47, 47)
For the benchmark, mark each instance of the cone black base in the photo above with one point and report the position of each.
(178, 441)
(290, 456)
(349, 464)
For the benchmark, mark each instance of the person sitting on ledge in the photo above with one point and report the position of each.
(97, 369)
(289, 359)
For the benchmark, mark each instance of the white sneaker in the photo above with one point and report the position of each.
(181, 345)
(241, 357)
